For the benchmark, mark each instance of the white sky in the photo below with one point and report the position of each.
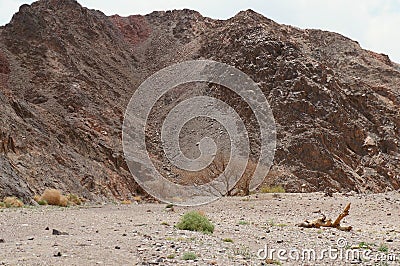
(371, 22)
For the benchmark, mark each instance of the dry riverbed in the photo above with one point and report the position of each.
(247, 229)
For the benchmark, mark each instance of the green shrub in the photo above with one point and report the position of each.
(194, 221)
(42, 202)
(365, 245)
(272, 189)
(189, 256)
(229, 240)
(383, 248)
(74, 199)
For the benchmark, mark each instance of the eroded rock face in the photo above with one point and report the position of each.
(67, 74)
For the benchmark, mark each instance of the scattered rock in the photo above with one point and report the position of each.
(58, 233)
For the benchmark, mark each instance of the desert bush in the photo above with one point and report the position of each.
(12, 202)
(272, 189)
(63, 201)
(74, 199)
(189, 256)
(137, 198)
(171, 256)
(54, 197)
(51, 196)
(242, 222)
(383, 248)
(42, 202)
(194, 221)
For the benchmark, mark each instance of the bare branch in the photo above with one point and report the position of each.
(322, 222)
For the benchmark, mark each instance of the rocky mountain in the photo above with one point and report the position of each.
(67, 74)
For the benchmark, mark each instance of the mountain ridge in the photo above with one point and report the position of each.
(68, 72)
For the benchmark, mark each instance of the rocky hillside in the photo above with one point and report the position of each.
(67, 74)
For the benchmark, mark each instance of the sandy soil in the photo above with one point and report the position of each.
(144, 234)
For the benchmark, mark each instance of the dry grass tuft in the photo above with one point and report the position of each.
(272, 189)
(74, 199)
(137, 198)
(12, 202)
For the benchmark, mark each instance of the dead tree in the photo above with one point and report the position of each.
(323, 222)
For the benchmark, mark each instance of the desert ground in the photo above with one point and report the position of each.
(144, 233)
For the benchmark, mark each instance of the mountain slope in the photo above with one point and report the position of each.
(67, 74)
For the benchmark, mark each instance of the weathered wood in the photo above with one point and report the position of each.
(323, 222)
(344, 213)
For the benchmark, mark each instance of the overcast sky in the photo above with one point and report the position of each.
(371, 22)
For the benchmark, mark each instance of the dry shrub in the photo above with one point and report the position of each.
(52, 197)
(12, 202)
(137, 198)
(126, 202)
(39, 200)
(272, 189)
(63, 201)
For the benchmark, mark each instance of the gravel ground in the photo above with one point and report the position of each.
(144, 234)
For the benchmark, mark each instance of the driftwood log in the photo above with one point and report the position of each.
(323, 222)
